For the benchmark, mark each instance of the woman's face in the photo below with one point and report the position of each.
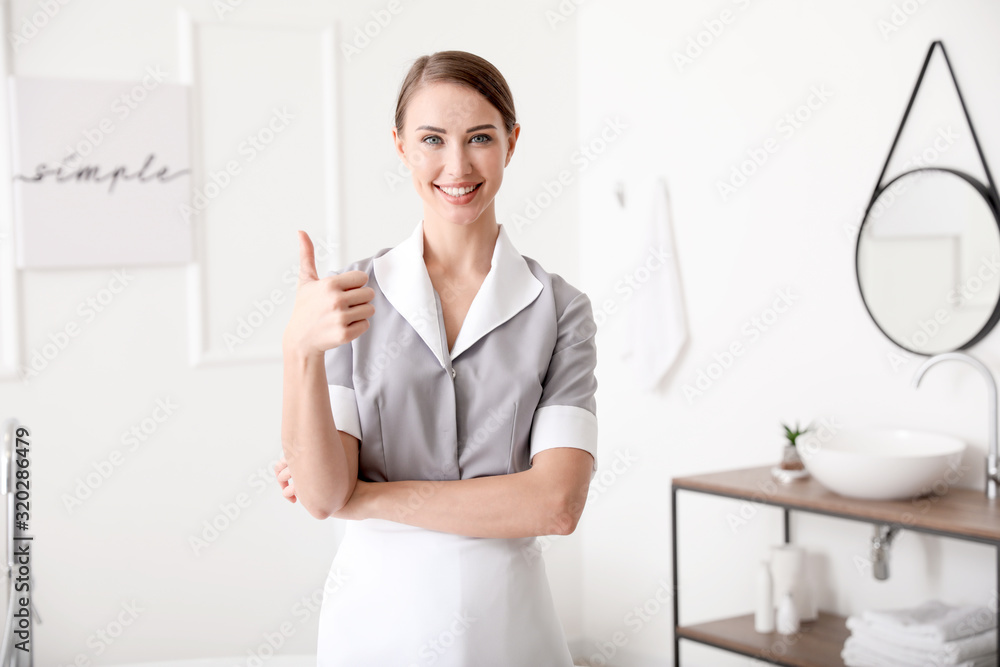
(456, 147)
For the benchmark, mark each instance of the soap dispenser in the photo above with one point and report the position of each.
(788, 616)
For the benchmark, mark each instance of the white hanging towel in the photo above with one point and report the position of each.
(657, 329)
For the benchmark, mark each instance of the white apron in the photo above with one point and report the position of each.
(401, 596)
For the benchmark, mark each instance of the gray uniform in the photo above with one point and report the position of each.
(519, 379)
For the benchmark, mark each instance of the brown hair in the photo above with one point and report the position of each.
(465, 69)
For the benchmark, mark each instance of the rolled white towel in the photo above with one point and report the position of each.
(941, 653)
(935, 620)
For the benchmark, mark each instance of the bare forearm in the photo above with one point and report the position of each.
(309, 437)
(515, 505)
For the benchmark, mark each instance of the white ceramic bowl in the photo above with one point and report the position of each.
(883, 463)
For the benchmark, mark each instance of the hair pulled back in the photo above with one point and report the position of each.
(464, 69)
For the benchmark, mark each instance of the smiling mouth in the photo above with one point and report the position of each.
(458, 193)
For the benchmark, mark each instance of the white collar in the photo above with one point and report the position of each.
(508, 289)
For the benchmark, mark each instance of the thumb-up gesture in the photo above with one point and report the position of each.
(328, 312)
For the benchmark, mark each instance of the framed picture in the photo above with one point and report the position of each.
(100, 172)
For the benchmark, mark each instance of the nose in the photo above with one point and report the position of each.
(458, 163)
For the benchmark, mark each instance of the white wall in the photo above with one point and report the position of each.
(129, 540)
(788, 227)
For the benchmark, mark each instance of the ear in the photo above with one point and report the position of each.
(398, 141)
(511, 142)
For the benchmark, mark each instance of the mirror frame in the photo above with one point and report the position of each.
(988, 194)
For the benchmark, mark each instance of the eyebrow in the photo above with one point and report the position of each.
(471, 129)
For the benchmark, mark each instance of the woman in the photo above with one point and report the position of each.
(457, 376)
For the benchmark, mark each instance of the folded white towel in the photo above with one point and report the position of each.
(942, 653)
(935, 620)
(857, 655)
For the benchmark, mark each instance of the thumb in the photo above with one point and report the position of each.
(307, 259)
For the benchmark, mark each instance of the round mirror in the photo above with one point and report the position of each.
(928, 260)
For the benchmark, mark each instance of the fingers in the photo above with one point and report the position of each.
(351, 279)
(284, 475)
(358, 295)
(282, 463)
(355, 329)
(358, 313)
(307, 259)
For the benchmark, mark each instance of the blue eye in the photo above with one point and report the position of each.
(485, 137)
(427, 139)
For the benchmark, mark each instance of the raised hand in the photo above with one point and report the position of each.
(328, 312)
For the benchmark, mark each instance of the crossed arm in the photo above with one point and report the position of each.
(546, 499)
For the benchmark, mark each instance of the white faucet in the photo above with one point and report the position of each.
(992, 477)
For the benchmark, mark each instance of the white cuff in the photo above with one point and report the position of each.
(564, 426)
(344, 405)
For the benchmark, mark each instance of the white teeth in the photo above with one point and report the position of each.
(458, 192)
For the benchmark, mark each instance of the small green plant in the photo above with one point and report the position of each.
(792, 435)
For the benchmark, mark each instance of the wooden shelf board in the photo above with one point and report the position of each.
(817, 644)
(960, 512)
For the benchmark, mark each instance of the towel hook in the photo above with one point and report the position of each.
(620, 193)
